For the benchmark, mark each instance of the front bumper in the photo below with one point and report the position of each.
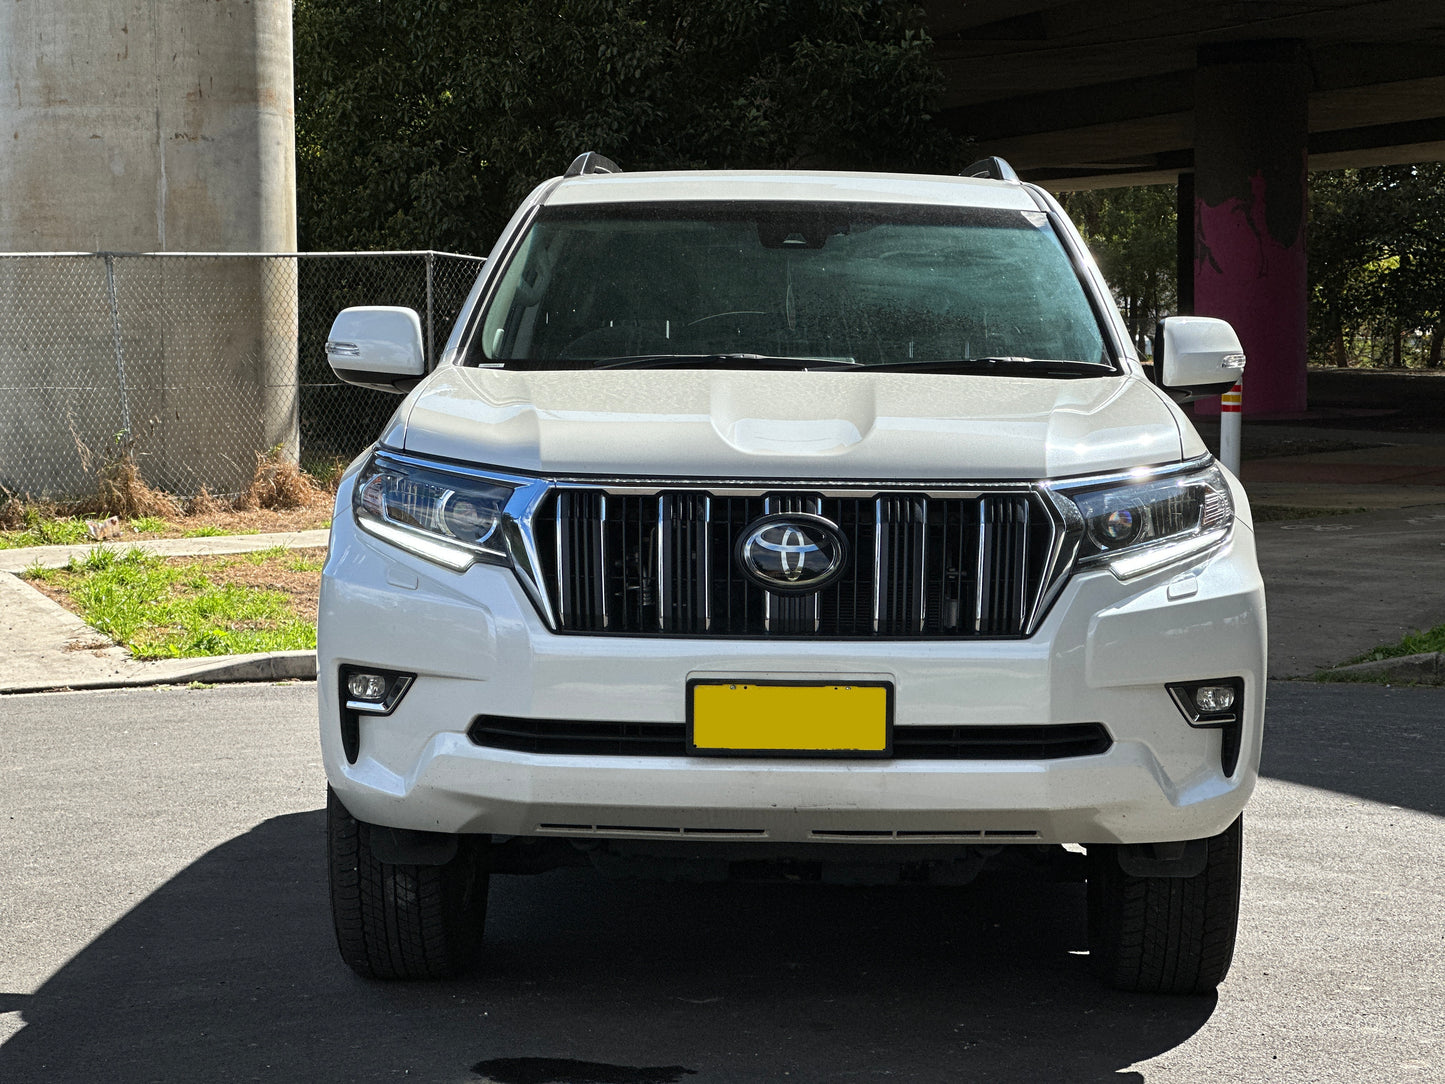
(1104, 653)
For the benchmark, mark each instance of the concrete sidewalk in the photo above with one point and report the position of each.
(1350, 524)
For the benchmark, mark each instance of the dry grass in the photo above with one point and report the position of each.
(281, 498)
(205, 504)
(121, 491)
(281, 485)
(119, 488)
(12, 511)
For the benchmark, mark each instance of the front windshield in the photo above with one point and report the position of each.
(840, 284)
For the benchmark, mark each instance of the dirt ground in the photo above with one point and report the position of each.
(229, 521)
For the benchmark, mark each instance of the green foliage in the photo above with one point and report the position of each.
(42, 530)
(1131, 232)
(1377, 264)
(304, 564)
(162, 610)
(1412, 643)
(260, 557)
(1376, 260)
(425, 124)
(150, 524)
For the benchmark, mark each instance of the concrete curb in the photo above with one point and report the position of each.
(216, 669)
(18, 560)
(1424, 669)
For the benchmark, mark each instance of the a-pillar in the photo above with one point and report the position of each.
(1250, 156)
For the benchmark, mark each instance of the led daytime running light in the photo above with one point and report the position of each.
(1138, 525)
(452, 519)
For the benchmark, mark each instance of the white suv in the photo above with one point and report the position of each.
(813, 524)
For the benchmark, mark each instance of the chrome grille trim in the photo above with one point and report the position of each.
(659, 560)
(793, 614)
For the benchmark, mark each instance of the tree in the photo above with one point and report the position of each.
(1131, 233)
(423, 124)
(1377, 261)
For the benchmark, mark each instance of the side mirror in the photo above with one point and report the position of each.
(377, 346)
(1196, 356)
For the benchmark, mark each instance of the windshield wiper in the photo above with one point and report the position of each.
(1001, 366)
(722, 361)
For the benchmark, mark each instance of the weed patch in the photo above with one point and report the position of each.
(119, 488)
(280, 484)
(191, 607)
(1412, 643)
(280, 497)
(35, 529)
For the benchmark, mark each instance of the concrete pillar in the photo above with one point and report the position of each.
(1251, 124)
(1184, 245)
(149, 126)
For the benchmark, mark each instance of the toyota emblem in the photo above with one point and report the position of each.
(792, 552)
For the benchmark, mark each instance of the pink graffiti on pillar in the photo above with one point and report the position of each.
(1244, 275)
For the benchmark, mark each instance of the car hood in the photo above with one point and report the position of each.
(668, 423)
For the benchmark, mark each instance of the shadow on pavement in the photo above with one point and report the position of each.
(229, 971)
(1376, 742)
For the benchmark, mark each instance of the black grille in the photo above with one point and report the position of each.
(577, 737)
(1044, 742)
(919, 565)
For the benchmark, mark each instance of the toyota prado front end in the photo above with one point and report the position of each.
(790, 520)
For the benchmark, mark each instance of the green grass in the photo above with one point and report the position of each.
(1412, 643)
(150, 524)
(44, 531)
(305, 564)
(203, 532)
(160, 610)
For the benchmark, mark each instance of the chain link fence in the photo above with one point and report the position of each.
(193, 364)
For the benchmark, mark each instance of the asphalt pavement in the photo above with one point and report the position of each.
(163, 917)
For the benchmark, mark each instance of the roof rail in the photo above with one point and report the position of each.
(994, 168)
(591, 162)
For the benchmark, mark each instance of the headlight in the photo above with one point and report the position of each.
(1139, 526)
(453, 519)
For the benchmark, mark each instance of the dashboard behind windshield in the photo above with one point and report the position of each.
(838, 283)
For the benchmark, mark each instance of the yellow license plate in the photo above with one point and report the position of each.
(790, 719)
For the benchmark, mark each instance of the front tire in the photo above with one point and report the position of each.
(398, 921)
(1166, 935)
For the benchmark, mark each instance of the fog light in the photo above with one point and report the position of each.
(1215, 704)
(367, 694)
(1213, 698)
(373, 691)
(366, 686)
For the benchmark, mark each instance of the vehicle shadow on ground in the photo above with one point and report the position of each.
(1373, 741)
(229, 971)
